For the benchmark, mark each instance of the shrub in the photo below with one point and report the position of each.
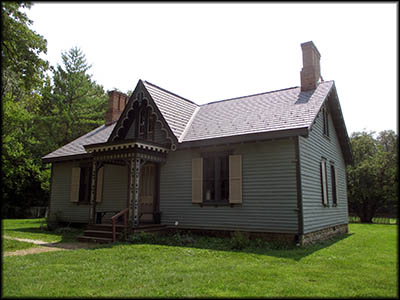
(52, 222)
(141, 237)
(239, 240)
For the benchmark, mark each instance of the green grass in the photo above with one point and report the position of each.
(34, 229)
(361, 264)
(12, 245)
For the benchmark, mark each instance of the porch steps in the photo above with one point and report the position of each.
(102, 233)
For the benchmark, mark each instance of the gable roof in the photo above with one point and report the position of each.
(281, 113)
(272, 111)
(176, 110)
(76, 149)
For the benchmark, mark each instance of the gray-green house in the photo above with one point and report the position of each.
(271, 164)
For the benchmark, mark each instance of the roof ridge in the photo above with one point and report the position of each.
(188, 124)
(156, 86)
(275, 91)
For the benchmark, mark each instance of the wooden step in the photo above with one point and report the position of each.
(105, 227)
(94, 239)
(101, 233)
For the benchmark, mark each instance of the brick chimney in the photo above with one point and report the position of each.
(311, 71)
(116, 105)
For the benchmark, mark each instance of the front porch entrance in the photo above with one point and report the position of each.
(147, 194)
(143, 161)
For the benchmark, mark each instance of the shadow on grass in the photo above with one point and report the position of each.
(259, 247)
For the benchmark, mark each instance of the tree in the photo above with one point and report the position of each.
(73, 104)
(22, 68)
(24, 180)
(372, 179)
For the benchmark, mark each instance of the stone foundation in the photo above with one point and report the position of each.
(287, 238)
(326, 233)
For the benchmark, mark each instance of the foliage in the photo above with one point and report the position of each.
(25, 181)
(373, 178)
(73, 104)
(239, 240)
(23, 69)
(41, 111)
(350, 267)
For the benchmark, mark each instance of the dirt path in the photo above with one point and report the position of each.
(46, 246)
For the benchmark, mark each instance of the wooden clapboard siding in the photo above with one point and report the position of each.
(60, 195)
(114, 192)
(315, 215)
(115, 189)
(269, 194)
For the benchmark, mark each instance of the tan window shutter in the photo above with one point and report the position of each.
(75, 183)
(99, 194)
(197, 180)
(235, 179)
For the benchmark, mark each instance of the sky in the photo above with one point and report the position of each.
(206, 52)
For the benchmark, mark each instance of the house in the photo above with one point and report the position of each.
(271, 164)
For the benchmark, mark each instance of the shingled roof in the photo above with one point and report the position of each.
(287, 110)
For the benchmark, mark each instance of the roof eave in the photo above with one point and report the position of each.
(46, 160)
(243, 138)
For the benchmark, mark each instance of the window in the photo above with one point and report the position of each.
(142, 122)
(81, 184)
(324, 182)
(334, 185)
(216, 178)
(325, 121)
(85, 185)
(146, 125)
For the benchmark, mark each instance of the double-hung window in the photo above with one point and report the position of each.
(334, 185)
(324, 182)
(217, 178)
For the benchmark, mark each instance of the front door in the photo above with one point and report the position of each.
(147, 193)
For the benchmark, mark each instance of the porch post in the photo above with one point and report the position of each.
(134, 190)
(92, 210)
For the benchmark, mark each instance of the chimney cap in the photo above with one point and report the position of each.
(310, 44)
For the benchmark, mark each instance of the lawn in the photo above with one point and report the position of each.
(361, 264)
(34, 229)
(12, 245)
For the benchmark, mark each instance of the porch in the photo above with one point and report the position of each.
(141, 211)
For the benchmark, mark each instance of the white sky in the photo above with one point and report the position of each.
(207, 52)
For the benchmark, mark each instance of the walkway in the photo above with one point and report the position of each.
(46, 246)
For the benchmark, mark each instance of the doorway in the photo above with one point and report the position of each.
(147, 193)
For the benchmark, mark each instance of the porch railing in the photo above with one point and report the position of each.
(114, 220)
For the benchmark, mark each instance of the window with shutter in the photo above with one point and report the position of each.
(235, 179)
(334, 185)
(324, 183)
(197, 180)
(85, 184)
